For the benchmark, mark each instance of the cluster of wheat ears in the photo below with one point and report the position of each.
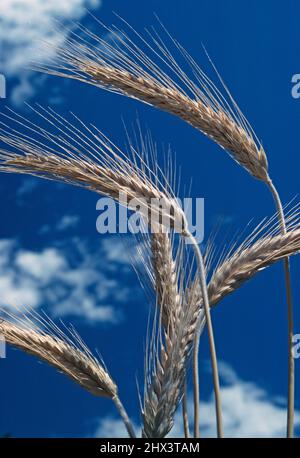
(185, 286)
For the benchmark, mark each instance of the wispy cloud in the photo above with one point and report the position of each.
(248, 411)
(69, 280)
(67, 222)
(24, 25)
(27, 186)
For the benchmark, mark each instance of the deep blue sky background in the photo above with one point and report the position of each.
(255, 46)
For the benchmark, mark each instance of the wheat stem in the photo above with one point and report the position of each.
(185, 416)
(196, 386)
(214, 362)
(289, 298)
(124, 416)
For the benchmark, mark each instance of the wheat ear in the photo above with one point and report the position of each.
(246, 262)
(79, 365)
(166, 362)
(165, 278)
(168, 293)
(40, 337)
(122, 66)
(81, 155)
(171, 309)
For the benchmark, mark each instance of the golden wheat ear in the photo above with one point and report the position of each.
(70, 151)
(146, 69)
(168, 348)
(264, 246)
(62, 349)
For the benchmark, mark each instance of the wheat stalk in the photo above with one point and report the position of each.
(131, 72)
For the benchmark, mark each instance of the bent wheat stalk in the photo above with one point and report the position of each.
(214, 362)
(122, 66)
(67, 354)
(289, 298)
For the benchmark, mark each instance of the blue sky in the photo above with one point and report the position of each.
(52, 257)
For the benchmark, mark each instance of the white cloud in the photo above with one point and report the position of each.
(18, 291)
(24, 25)
(70, 280)
(248, 411)
(43, 266)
